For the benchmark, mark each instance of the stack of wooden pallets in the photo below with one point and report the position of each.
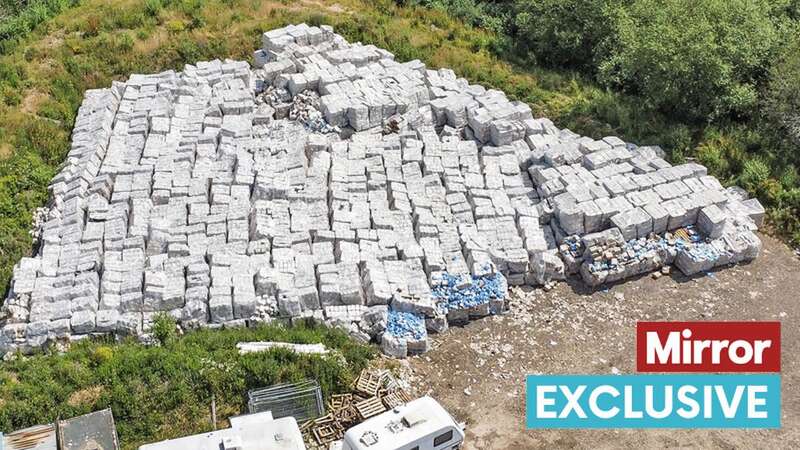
(374, 392)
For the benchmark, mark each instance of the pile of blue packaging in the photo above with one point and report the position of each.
(574, 245)
(703, 252)
(479, 291)
(452, 292)
(406, 325)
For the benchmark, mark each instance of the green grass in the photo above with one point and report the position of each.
(18, 18)
(161, 392)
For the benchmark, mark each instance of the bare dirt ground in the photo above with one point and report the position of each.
(478, 371)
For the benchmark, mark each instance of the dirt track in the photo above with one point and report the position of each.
(478, 371)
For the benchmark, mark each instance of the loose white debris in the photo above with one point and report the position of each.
(255, 347)
(332, 182)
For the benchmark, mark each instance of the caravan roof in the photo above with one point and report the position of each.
(404, 424)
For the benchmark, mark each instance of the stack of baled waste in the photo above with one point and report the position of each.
(457, 299)
(405, 333)
(327, 180)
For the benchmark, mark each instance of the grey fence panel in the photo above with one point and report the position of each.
(302, 400)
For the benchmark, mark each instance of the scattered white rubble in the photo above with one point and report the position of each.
(329, 181)
(37, 223)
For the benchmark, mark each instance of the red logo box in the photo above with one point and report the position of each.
(708, 346)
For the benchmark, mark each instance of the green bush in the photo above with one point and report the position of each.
(486, 14)
(21, 18)
(781, 104)
(789, 177)
(153, 7)
(755, 173)
(11, 74)
(563, 33)
(722, 154)
(164, 328)
(48, 139)
(11, 96)
(101, 355)
(703, 58)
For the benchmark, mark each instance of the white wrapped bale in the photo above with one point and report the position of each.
(711, 221)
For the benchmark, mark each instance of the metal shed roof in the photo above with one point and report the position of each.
(94, 431)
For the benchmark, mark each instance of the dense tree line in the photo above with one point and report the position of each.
(704, 58)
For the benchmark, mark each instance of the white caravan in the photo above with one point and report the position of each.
(421, 424)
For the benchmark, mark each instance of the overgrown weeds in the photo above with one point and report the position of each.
(164, 391)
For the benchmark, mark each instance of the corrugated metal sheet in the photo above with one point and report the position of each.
(94, 431)
(40, 437)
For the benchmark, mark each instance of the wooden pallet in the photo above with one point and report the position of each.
(306, 426)
(389, 381)
(340, 401)
(395, 398)
(326, 434)
(327, 429)
(370, 407)
(373, 392)
(369, 383)
(348, 416)
(327, 419)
